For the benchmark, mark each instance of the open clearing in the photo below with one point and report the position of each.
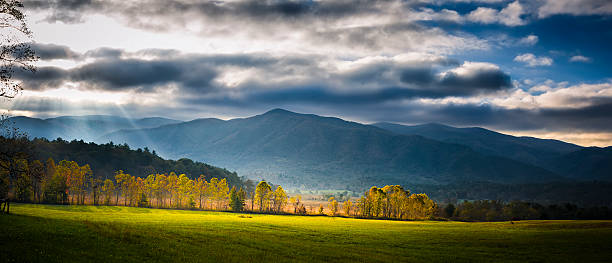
(51, 233)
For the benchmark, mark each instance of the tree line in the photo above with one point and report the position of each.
(493, 210)
(67, 182)
(20, 167)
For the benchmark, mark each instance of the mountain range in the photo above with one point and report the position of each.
(314, 152)
(87, 128)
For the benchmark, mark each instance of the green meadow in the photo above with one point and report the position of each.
(52, 233)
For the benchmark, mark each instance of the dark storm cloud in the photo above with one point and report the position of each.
(66, 11)
(127, 73)
(52, 51)
(43, 78)
(349, 26)
(124, 74)
(488, 79)
(192, 73)
(417, 76)
(287, 78)
(596, 117)
(423, 79)
(70, 11)
(104, 52)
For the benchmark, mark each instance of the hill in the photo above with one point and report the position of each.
(539, 152)
(566, 159)
(105, 159)
(592, 163)
(310, 151)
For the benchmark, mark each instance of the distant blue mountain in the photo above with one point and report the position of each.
(314, 152)
(540, 152)
(87, 128)
(566, 159)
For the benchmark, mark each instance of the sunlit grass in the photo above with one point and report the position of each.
(87, 233)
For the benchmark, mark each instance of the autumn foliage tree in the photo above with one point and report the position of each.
(333, 206)
(279, 199)
(263, 192)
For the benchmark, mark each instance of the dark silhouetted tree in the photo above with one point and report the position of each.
(15, 51)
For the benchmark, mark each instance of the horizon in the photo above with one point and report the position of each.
(325, 116)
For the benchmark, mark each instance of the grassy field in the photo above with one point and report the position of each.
(47, 233)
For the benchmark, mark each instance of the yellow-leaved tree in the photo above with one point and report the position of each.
(279, 199)
(263, 192)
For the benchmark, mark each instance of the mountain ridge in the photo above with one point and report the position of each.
(304, 150)
(285, 145)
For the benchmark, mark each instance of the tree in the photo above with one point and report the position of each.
(56, 186)
(96, 189)
(262, 195)
(242, 195)
(237, 199)
(160, 188)
(132, 190)
(183, 189)
(122, 180)
(149, 188)
(107, 190)
(16, 53)
(171, 187)
(37, 174)
(279, 199)
(86, 181)
(347, 207)
(449, 210)
(143, 202)
(394, 196)
(221, 192)
(14, 148)
(333, 206)
(296, 201)
(200, 189)
(23, 184)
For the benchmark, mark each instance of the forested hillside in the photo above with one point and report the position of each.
(106, 159)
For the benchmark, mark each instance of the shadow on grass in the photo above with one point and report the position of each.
(26, 238)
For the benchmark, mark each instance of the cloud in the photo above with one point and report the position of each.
(529, 40)
(580, 59)
(533, 61)
(338, 27)
(71, 11)
(262, 78)
(575, 7)
(509, 16)
(52, 51)
(476, 76)
(125, 74)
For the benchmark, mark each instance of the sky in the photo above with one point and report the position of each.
(530, 68)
